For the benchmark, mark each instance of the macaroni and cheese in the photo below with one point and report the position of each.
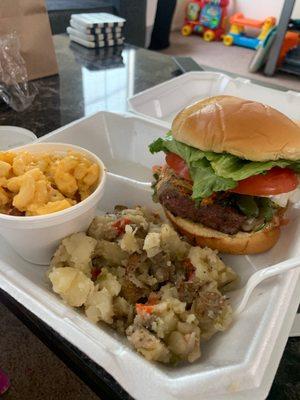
(37, 184)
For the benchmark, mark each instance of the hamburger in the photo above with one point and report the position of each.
(231, 168)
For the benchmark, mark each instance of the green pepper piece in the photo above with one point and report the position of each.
(247, 205)
(260, 227)
(154, 188)
(266, 208)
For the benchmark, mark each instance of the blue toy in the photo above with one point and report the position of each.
(238, 36)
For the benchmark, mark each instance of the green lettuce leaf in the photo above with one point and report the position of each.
(237, 169)
(205, 179)
(212, 172)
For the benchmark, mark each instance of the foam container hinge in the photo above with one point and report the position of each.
(164, 101)
(238, 364)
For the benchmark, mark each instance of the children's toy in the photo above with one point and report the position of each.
(206, 17)
(191, 22)
(237, 33)
(294, 25)
(287, 59)
(291, 64)
(291, 40)
(289, 56)
(262, 52)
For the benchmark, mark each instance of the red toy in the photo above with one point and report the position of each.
(291, 40)
(207, 17)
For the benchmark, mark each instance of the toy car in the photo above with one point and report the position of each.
(237, 33)
(206, 17)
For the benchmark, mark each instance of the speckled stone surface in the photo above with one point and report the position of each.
(89, 80)
(35, 372)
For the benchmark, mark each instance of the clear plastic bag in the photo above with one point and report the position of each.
(15, 89)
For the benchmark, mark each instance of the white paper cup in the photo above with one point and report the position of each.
(36, 238)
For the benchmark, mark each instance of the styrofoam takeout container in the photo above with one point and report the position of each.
(237, 364)
(36, 238)
(14, 136)
(164, 101)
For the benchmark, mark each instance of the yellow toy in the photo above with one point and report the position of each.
(237, 34)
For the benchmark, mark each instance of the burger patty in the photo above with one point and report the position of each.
(174, 194)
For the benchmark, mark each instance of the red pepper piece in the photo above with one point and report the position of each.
(190, 269)
(95, 271)
(120, 224)
(144, 308)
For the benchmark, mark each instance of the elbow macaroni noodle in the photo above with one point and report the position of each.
(38, 184)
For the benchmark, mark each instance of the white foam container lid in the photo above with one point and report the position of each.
(238, 364)
(164, 101)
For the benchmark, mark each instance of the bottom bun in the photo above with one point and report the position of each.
(240, 243)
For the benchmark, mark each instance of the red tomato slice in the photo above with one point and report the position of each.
(178, 165)
(275, 181)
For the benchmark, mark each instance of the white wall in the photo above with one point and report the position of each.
(150, 12)
(296, 13)
(257, 9)
(179, 14)
(150, 17)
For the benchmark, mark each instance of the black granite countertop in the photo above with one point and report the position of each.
(88, 81)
